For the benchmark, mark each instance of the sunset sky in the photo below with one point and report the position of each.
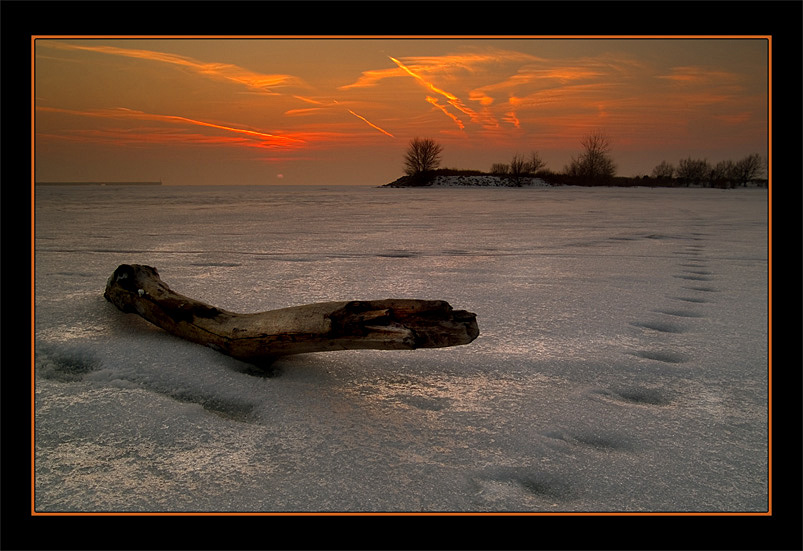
(342, 111)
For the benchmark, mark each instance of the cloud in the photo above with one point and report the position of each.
(471, 62)
(372, 78)
(266, 139)
(692, 75)
(481, 98)
(220, 71)
(451, 99)
(434, 102)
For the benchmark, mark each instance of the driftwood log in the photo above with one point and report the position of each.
(260, 338)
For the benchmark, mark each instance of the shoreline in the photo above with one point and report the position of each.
(476, 179)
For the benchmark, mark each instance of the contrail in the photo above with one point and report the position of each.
(429, 85)
(335, 102)
(255, 81)
(228, 128)
(434, 101)
(123, 112)
(453, 100)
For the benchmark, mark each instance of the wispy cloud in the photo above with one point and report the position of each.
(477, 97)
(322, 105)
(265, 83)
(457, 121)
(497, 83)
(466, 63)
(694, 75)
(269, 84)
(451, 99)
(265, 138)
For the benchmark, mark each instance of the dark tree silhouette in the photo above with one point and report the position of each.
(663, 171)
(423, 155)
(747, 169)
(723, 175)
(693, 171)
(518, 168)
(499, 169)
(536, 163)
(595, 164)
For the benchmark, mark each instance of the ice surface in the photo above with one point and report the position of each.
(622, 362)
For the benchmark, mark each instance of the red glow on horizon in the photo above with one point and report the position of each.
(497, 96)
(267, 139)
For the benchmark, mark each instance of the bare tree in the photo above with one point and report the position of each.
(723, 175)
(664, 171)
(693, 171)
(747, 169)
(536, 163)
(518, 168)
(423, 155)
(595, 164)
(499, 168)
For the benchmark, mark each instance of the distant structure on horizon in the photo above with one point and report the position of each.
(159, 183)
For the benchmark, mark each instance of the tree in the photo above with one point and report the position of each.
(747, 169)
(499, 169)
(536, 164)
(693, 171)
(663, 171)
(423, 155)
(518, 168)
(595, 164)
(723, 175)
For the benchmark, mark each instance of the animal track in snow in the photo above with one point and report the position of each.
(680, 313)
(591, 439)
(499, 485)
(65, 364)
(693, 300)
(664, 356)
(693, 277)
(701, 289)
(660, 326)
(638, 396)
(227, 409)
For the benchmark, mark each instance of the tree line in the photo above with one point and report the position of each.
(593, 166)
(725, 174)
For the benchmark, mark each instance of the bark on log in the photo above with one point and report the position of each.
(392, 324)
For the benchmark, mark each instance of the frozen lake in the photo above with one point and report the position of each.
(622, 362)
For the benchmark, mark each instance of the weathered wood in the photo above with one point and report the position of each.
(391, 324)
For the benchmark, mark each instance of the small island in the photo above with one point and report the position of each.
(460, 178)
(594, 167)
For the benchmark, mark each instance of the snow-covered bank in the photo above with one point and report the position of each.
(478, 180)
(486, 181)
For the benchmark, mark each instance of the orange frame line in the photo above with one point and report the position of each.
(768, 38)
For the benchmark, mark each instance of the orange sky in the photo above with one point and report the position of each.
(342, 111)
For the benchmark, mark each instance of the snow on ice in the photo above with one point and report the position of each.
(622, 362)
